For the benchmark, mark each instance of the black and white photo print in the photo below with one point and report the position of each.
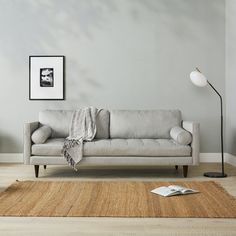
(46, 77)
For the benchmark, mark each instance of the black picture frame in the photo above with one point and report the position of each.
(32, 58)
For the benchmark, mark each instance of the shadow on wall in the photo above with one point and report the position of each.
(81, 84)
(50, 27)
(31, 27)
(39, 25)
(171, 11)
(9, 143)
(78, 88)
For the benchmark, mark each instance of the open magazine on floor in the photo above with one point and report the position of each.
(172, 190)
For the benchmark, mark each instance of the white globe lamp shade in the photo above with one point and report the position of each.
(198, 79)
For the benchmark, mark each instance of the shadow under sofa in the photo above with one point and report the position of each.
(124, 138)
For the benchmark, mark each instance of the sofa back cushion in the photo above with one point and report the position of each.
(149, 124)
(59, 121)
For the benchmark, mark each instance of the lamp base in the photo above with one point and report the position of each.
(215, 175)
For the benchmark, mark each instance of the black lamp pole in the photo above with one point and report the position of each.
(222, 173)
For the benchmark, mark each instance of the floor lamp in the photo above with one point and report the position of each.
(200, 80)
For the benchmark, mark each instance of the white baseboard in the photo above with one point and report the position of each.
(210, 157)
(216, 157)
(204, 157)
(11, 158)
(230, 159)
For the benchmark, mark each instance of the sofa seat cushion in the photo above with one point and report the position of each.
(117, 147)
(52, 147)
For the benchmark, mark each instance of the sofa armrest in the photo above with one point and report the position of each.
(194, 129)
(29, 128)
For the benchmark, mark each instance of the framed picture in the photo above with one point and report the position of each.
(46, 77)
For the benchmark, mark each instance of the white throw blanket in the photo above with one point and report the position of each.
(83, 128)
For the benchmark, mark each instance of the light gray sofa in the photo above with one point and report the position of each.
(123, 138)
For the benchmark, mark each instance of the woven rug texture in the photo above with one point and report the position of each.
(114, 199)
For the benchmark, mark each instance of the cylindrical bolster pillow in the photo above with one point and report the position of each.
(180, 135)
(41, 134)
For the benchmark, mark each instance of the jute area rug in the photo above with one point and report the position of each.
(114, 199)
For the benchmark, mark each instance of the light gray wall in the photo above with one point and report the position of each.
(127, 54)
(231, 76)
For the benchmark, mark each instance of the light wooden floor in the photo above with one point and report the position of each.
(30, 226)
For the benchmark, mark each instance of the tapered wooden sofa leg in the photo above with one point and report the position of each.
(185, 171)
(45, 167)
(176, 167)
(36, 170)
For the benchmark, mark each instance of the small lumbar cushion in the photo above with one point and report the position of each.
(41, 134)
(180, 135)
